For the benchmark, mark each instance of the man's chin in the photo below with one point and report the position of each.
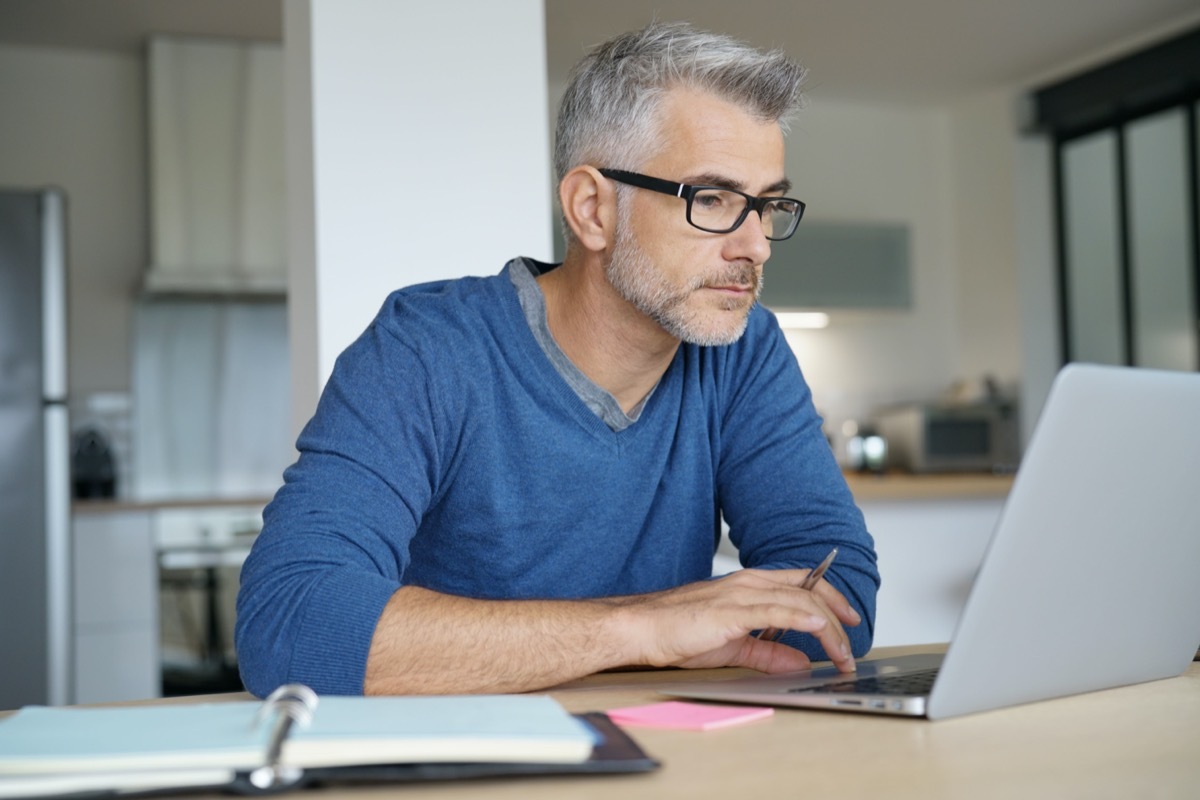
(715, 329)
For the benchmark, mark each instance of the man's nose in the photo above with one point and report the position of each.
(749, 241)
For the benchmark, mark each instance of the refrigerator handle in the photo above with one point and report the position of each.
(54, 296)
(57, 434)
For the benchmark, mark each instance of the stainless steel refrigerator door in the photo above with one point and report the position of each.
(34, 452)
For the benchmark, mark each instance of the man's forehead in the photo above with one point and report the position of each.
(707, 139)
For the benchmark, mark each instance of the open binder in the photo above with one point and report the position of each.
(294, 739)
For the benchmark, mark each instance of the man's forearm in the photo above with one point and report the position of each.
(431, 643)
(427, 642)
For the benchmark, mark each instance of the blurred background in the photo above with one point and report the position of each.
(994, 188)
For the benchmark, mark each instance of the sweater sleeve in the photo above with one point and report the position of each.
(335, 539)
(779, 488)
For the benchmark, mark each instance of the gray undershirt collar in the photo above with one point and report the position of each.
(533, 304)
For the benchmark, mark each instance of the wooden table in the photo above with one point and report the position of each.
(1131, 742)
(1137, 741)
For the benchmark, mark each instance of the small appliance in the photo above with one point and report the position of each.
(944, 437)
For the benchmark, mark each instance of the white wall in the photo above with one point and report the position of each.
(857, 163)
(983, 225)
(418, 149)
(76, 119)
(1041, 348)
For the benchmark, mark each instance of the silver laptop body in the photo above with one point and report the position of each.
(1089, 581)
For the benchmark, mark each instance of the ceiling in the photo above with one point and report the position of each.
(124, 24)
(898, 51)
(895, 51)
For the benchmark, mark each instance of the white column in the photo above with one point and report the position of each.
(418, 149)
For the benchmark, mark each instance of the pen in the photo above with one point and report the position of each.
(810, 581)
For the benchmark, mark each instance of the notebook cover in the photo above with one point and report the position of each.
(616, 753)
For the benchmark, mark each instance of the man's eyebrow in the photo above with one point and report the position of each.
(713, 179)
(782, 186)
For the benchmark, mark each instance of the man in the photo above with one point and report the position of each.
(514, 481)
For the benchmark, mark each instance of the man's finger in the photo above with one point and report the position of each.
(838, 603)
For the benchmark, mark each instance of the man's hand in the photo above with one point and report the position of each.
(707, 624)
(429, 642)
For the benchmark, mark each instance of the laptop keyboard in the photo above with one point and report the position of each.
(913, 683)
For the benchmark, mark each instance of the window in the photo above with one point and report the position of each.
(1125, 143)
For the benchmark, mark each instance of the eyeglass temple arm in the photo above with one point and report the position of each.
(645, 181)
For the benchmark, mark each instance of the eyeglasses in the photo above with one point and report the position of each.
(716, 209)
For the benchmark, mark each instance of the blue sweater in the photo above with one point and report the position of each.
(447, 452)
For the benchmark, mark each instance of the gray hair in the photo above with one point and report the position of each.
(609, 115)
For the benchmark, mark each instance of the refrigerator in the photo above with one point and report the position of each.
(35, 479)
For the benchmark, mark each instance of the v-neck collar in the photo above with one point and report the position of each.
(522, 273)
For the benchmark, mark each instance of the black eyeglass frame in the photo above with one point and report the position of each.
(688, 192)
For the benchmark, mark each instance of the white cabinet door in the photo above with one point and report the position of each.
(116, 608)
(929, 551)
(117, 664)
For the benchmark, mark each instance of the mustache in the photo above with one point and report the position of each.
(733, 276)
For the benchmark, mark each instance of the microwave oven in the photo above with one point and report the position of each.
(979, 437)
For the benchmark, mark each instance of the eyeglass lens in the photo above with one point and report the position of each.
(717, 210)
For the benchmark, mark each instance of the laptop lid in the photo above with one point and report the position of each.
(1089, 580)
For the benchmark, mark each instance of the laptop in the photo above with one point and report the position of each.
(1090, 579)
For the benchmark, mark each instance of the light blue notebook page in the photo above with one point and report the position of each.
(39, 739)
(344, 731)
(458, 728)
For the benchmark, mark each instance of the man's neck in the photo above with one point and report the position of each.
(616, 346)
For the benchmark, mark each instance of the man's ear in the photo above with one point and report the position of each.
(589, 207)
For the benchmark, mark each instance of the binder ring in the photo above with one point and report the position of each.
(292, 704)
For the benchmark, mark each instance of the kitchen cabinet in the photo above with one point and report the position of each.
(929, 551)
(930, 535)
(217, 186)
(840, 265)
(115, 606)
(128, 558)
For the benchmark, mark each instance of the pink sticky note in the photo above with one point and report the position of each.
(687, 716)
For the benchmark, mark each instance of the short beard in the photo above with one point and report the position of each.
(634, 276)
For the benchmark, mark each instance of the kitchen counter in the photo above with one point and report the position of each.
(119, 505)
(868, 487)
(865, 486)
